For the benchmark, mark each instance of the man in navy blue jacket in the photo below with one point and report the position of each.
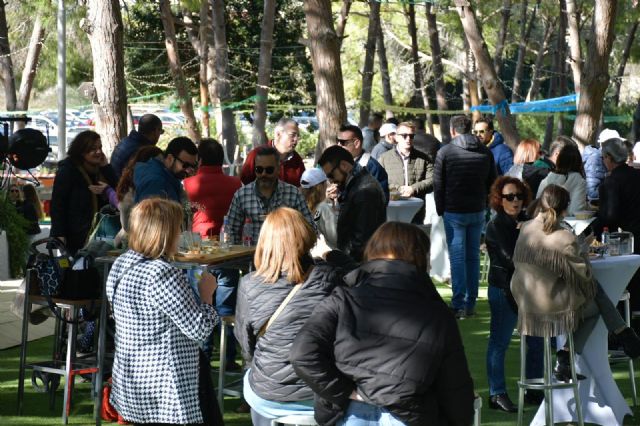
(148, 133)
(502, 154)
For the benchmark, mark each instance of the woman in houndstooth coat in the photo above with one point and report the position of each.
(158, 372)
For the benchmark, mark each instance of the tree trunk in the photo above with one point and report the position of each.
(628, 44)
(30, 67)
(595, 75)
(6, 64)
(575, 58)
(105, 30)
(525, 33)
(369, 56)
(203, 51)
(387, 94)
(502, 36)
(438, 74)
(534, 89)
(325, 58)
(420, 91)
(226, 124)
(184, 97)
(342, 19)
(554, 84)
(264, 73)
(471, 97)
(490, 80)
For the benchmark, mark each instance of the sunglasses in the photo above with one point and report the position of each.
(268, 170)
(344, 142)
(186, 164)
(406, 135)
(511, 197)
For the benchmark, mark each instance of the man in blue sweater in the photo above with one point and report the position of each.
(502, 154)
(148, 133)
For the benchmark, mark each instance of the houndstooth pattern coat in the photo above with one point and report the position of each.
(159, 322)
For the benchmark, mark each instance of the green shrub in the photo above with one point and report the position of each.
(15, 225)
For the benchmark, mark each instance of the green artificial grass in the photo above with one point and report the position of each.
(475, 332)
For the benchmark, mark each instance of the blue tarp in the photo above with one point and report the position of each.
(562, 104)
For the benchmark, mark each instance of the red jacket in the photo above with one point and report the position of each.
(214, 190)
(291, 169)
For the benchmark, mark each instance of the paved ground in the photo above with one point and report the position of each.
(11, 325)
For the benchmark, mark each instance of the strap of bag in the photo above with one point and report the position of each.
(278, 311)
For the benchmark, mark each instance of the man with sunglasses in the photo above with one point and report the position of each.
(361, 202)
(285, 139)
(502, 154)
(350, 138)
(162, 176)
(463, 174)
(264, 195)
(410, 170)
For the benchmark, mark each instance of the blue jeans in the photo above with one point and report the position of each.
(463, 239)
(503, 321)
(225, 305)
(363, 414)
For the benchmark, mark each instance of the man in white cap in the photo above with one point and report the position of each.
(388, 141)
(594, 168)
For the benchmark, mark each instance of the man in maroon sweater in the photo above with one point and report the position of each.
(285, 139)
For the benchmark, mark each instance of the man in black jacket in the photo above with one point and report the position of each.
(463, 174)
(360, 199)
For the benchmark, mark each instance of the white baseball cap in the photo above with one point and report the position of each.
(312, 177)
(387, 128)
(607, 134)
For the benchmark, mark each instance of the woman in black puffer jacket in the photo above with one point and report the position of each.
(386, 348)
(271, 387)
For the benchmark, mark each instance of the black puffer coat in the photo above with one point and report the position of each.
(272, 376)
(462, 176)
(390, 336)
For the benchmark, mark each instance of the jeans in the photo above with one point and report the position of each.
(225, 306)
(503, 321)
(363, 414)
(463, 239)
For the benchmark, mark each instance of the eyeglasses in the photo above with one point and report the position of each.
(479, 132)
(511, 197)
(344, 142)
(406, 135)
(186, 164)
(268, 170)
(330, 174)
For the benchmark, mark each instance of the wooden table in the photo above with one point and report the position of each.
(240, 257)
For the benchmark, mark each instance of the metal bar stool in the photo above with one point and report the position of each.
(232, 388)
(545, 384)
(616, 357)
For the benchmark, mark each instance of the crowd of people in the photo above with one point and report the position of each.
(340, 318)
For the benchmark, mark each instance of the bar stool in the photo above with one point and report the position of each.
(295, 420)
(232, 388)
(615, 357)
(545, 383)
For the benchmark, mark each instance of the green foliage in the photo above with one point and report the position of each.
(307, 143)
(531, 126)
(15, 225)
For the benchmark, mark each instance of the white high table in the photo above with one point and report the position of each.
(602, 402)
(403, 210)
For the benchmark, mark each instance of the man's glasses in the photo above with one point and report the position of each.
(344, 142)
(186, 164)
(479, 132)
(330, 174)
(511, 197)
(268, 170)
(406, 135)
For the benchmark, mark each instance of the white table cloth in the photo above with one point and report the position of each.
(403, 210)
(602, 402)
(578, 225)
(439, 255)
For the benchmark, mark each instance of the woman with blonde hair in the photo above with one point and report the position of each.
(273, 304)
(524, 164)
(159, 373)
(385, 349)
(553, 285)
(313, 186)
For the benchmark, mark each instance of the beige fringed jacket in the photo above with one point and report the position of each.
(552, 280)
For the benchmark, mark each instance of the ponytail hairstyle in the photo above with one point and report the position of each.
(553, 201)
